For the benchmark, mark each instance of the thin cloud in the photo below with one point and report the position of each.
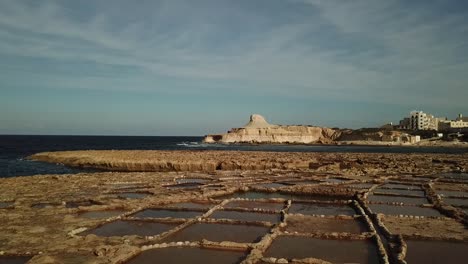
(389, 51)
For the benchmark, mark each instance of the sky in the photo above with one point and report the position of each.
(190, 68)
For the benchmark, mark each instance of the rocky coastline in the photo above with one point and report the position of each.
(153, 201)
(210, 161)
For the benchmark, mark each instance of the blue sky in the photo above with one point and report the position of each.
(195, 67)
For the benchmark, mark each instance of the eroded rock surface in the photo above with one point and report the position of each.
(60, 232)
(258, 130)
(209, 161)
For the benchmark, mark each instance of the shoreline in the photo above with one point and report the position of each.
(358, 143)
(212, 160)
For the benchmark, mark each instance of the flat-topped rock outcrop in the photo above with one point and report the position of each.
(258, 130)
(209, 161)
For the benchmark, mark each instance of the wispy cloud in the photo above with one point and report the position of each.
(384, 51)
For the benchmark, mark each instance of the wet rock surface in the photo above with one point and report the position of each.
(84, 218)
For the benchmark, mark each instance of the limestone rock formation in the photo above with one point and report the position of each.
(258, 130)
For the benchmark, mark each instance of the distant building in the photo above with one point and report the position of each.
(460, 123)
(418, 120)
(405, 123)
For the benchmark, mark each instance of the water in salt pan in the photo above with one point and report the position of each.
(336, 251)
(192, 180)
(191, 205)
(336, 180)
(320, 209)
(101, 214)
(401, 186)
(400, 192)
(76, 204)
(270, 185)
(246, 216)
(361, 185)
(44, 205)
(255, 204)
(188, 255)
(435, 252)
(303, 182)
(134, 186)
(133, 195)
(452, 193)
(4, 205)
(458, 176)
(325, 225)
(397, 199)
(127, 228)
(455, 201)
(163, 213)
(14, 259)
(189, 185)
(404, 210)
(267, 195)
(213, 187)
(219, 232)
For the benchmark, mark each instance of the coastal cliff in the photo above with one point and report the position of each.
(258, 130)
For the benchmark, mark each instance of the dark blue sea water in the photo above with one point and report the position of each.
(14, 149)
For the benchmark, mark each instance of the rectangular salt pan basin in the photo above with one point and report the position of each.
(192, 180)
(270, 185)
(401, 192)
(336, 251)
(397, 199)
(44, 205)
(403, 210)
(455, 201)
(255, 204)
(188, 185)
(76, 204)
(436, 252)
(320, 209)
(303, 182)
(162, 213)
(361, 185)
(452, 193)
(267, 195)
(101, 214)
(188, 255)
(219, 233)
(458, 176)
(246, 216)
(14, 259)
(192, 205)
(336, 180)
(127, 228)
(402, 186)
(5, 204)
(133, 195)
(325, 225)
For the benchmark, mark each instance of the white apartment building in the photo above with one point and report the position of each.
(418, 120)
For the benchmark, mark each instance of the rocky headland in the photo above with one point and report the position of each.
(258, 130)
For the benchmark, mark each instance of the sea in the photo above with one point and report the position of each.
(14, 149)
